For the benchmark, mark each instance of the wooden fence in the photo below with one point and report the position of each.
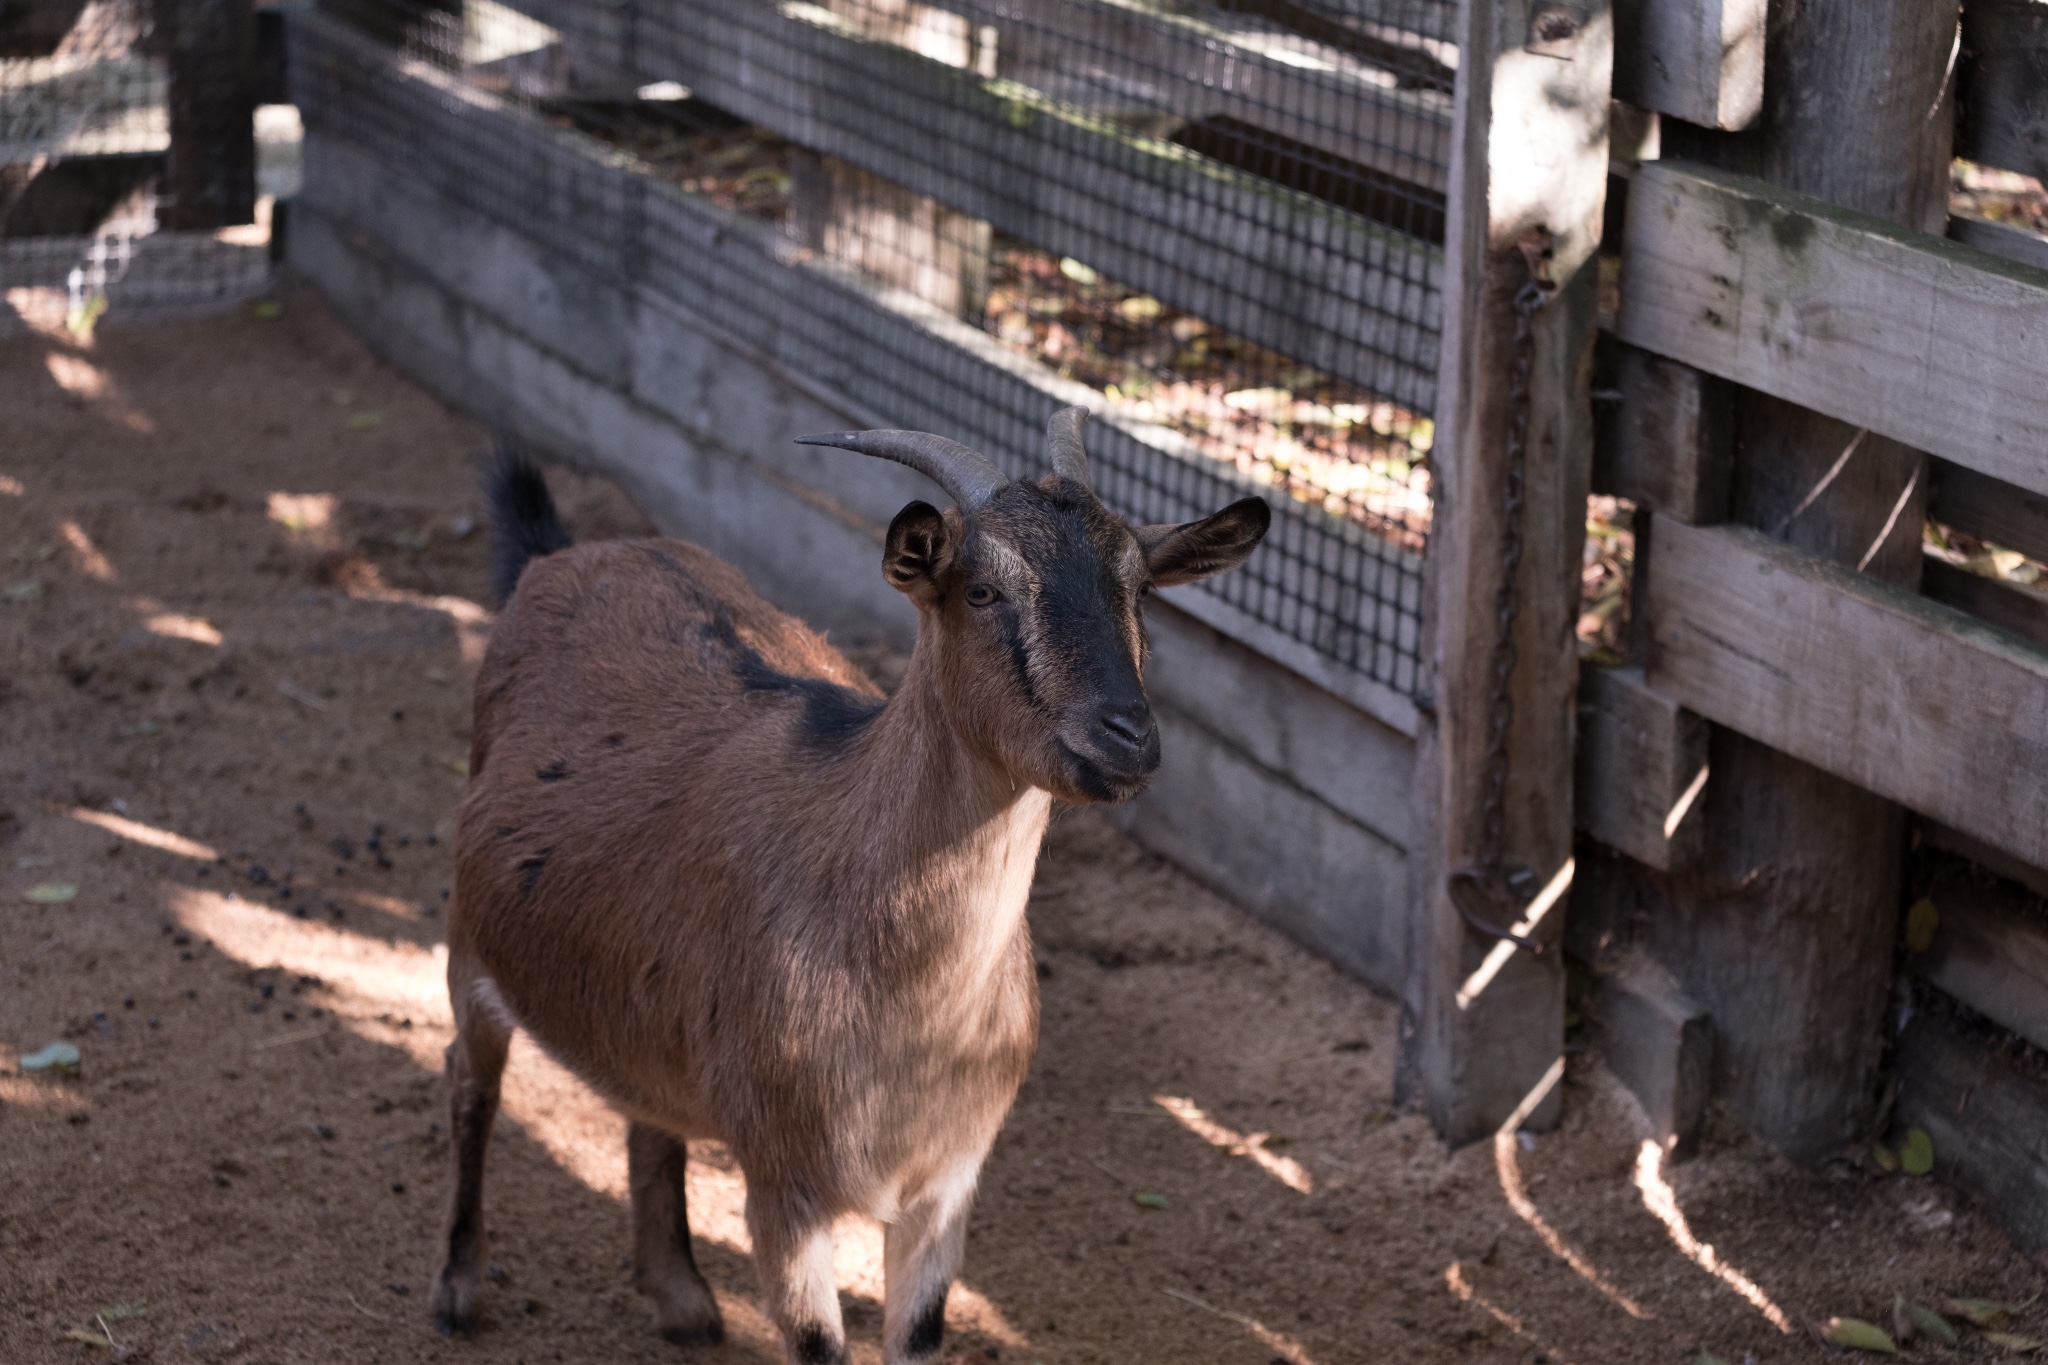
(1809, 358)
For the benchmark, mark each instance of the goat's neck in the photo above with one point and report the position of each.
(957, 831)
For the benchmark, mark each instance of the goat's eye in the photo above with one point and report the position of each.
(981, 595)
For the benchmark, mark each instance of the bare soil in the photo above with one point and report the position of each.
(240, 610)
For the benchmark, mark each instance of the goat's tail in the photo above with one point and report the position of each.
(524, 523)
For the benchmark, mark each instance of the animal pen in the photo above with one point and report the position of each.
(1770, 830)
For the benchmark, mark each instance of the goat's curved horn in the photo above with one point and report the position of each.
(967, 475)
(1063, 444)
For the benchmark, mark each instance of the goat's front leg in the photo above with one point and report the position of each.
(922, 1250)
(793, 1254)
(663, 1268)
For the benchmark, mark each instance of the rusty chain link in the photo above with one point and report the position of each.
(1480, 887)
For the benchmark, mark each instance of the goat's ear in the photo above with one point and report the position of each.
(1196, 549)
(915, 550)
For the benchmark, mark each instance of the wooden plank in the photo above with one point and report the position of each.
(1988, 951)
(1988, 1116)
(1934, 343)
(2003, 83)
(1990, 509)
(1642, 769)
(210, 174)
(1660, 1044)
(2009, 606)
(1484, 1037)
(1090, 51)
(1699, 60)
(1999, 864)
(2001, 239)
(1917, 702)
(1667, 445)
(1318, 284)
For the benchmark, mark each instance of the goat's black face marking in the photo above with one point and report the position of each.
(554, 772)
(1064, 579)
(816, 1346)
(929, 1331)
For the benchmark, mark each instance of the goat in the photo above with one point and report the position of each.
(709, 868)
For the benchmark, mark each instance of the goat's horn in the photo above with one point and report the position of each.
(1063, 444)
(967, 475)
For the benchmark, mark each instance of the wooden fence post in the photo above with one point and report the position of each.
(1785, 930)
(210, 179)
(1483, 1021)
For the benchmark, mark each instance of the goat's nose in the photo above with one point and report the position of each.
(1129, 721)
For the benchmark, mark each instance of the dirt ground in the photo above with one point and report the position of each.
(241, 609)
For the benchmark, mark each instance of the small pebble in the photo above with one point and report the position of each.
(398, 1187)
(128, 1002)
(155, 1022)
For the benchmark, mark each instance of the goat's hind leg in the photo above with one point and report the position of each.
(663, 1268)
(476, 1062)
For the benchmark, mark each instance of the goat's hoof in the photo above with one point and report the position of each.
(449, 1325)
(455, 1309)
(698, 1331)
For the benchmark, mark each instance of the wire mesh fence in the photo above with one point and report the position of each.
(129, 143)
(1218, 223)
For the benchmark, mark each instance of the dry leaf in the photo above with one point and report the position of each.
(1856, 1335)
(1932, 1324)
(1921, 922)
(1983, 1313)
(2006, 1341)
(1916, 1153)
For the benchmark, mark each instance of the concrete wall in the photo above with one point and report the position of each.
(1275, 792)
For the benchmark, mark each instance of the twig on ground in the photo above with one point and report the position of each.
(301, 696)
(364, 1311)
(1238, 1318)
(296, 1036)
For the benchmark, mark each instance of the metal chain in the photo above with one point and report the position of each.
(1479, 887)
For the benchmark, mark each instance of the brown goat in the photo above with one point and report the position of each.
(711, 870)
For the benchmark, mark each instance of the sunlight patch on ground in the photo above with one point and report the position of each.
(173, 626)
(91, 562)
(88, 383)
(301, 511)
(1508, 1164)
(1660, 1199)
(147, 835)
(35, 1092)
(1283, 1346)
(472, 622)
(375, 984)
(1461, 1289)
(1286, 1170)
(78, 376)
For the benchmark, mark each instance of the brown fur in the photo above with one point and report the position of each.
(710, 871)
